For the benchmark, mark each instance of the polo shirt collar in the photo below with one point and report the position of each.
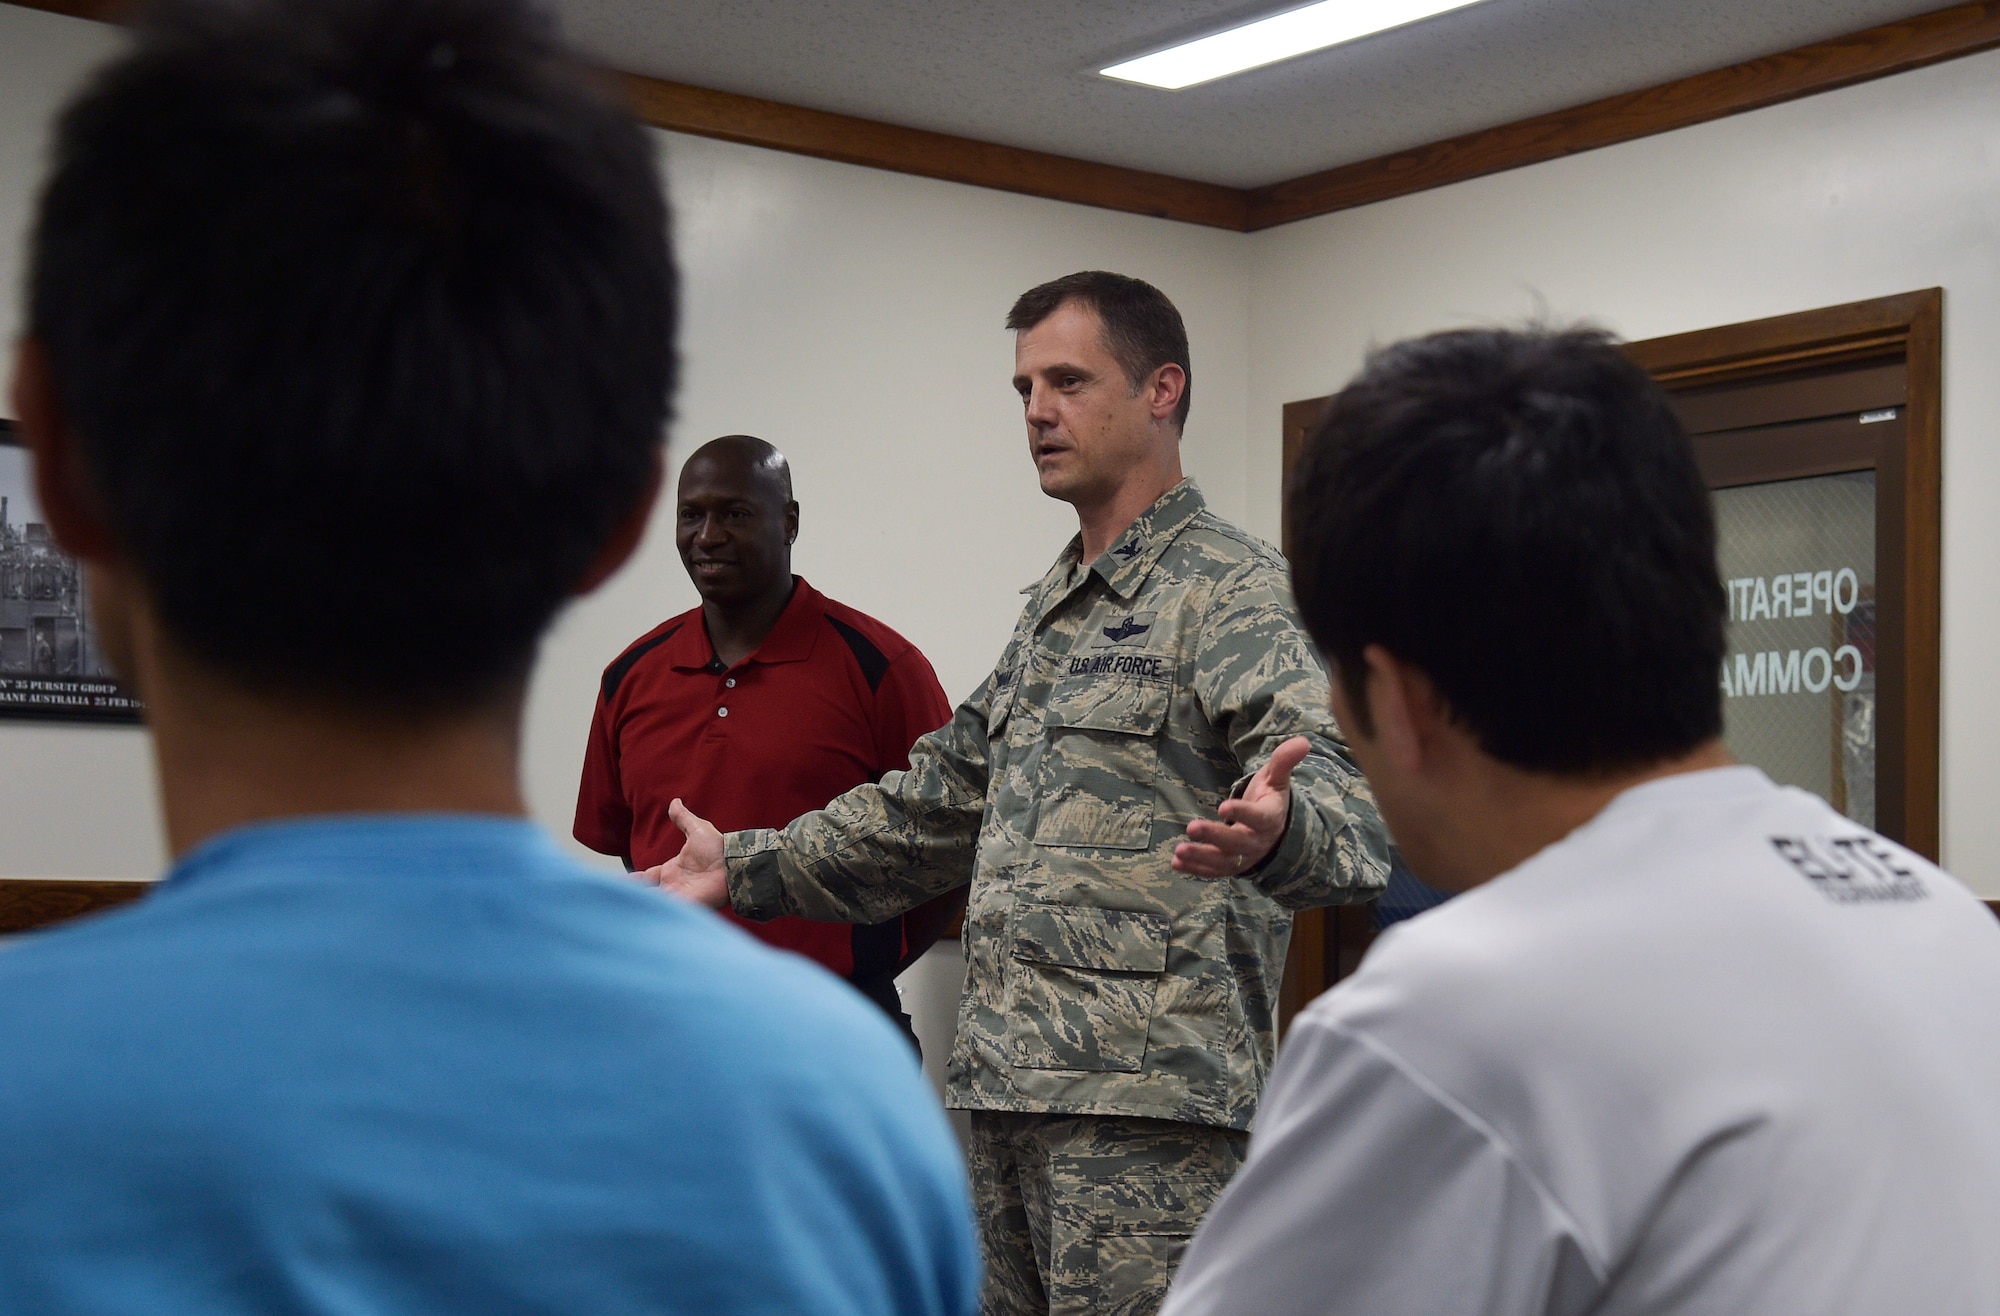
(790, 641)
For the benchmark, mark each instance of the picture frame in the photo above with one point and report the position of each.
(51, 666)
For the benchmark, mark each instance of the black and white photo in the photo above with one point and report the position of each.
(50, 662)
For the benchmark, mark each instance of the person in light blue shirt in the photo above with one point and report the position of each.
(350, 342)
(426, 1063)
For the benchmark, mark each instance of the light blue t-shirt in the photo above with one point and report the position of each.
(428, 1064)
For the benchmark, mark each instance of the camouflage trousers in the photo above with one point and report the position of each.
(1089, 1214)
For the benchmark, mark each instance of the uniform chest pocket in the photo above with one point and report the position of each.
(1097, 772)
(1084, 982)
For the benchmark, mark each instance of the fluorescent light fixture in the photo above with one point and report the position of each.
(1268, 40)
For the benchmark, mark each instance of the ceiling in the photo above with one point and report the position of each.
(1022, 72)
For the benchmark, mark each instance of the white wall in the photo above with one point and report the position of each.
(1878, 189)
(850, 316)
(853, 316)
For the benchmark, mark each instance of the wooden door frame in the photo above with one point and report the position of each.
(1328, 944)
(1909, 503)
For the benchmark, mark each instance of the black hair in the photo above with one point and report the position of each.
(1518, 515)
(363, 313)
(1142, 329)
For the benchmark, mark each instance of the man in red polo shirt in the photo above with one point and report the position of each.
(764, 703)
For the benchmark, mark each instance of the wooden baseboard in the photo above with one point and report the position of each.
(34, 902)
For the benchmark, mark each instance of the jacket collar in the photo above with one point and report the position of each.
(1125, 565)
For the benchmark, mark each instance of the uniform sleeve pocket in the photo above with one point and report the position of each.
(1084, 983)
(1101, 761)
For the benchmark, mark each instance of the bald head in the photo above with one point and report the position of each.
(749, 457)
(735, 523)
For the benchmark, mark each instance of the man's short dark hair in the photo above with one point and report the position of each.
(1519, 516)
(1142, 329)
(363, 314)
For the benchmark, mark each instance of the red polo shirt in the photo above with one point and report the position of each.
(831, 699)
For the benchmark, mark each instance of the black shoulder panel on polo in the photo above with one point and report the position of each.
(874, 663)
(616, 672)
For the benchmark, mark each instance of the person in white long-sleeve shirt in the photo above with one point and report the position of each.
(1691, 1042)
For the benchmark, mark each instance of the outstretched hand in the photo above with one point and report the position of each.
(1251, 825)
(698, 872)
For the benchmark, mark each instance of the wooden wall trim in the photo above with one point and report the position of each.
(1897, 47)
(755, 122)
(1828, 65)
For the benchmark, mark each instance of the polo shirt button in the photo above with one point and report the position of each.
(730, 683)
(722, 712)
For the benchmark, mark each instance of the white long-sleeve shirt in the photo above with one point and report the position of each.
(1718, 1051)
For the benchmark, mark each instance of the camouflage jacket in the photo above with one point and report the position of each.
(1137, 693)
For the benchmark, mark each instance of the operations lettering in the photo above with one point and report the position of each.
(1796, 594)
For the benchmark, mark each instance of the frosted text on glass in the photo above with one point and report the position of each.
(1785, 672)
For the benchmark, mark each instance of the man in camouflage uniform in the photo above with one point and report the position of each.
(1141, 793)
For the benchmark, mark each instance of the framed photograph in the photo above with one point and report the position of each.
(50, 664)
